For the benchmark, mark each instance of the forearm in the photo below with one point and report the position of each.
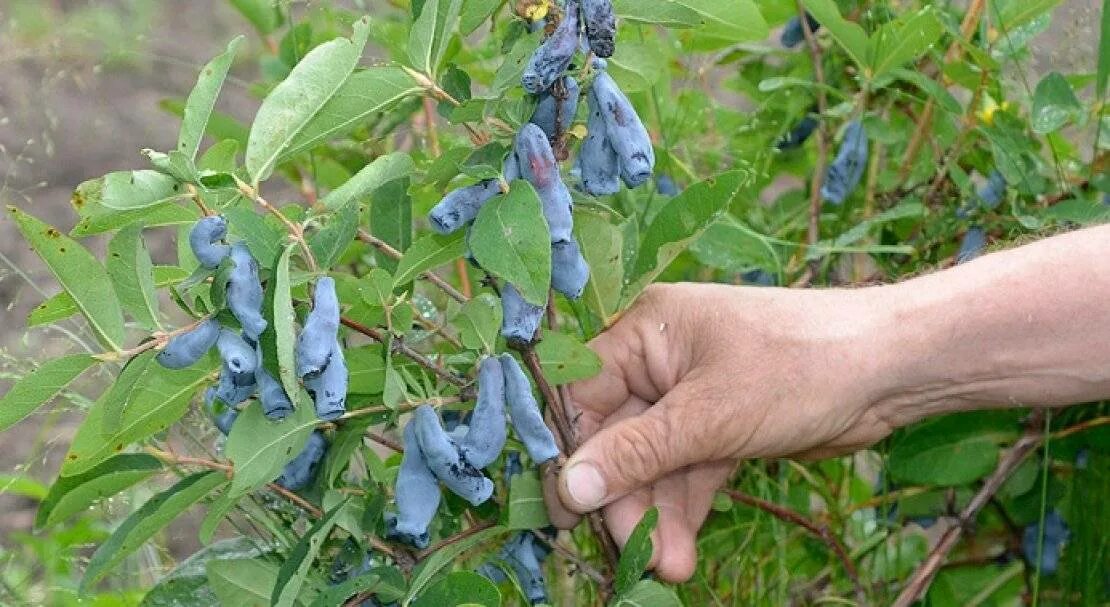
(1025, 327)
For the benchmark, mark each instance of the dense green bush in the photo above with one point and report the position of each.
(892, 140)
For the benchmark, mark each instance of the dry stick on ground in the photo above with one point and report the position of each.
(393, 253)
(924, 123)
(821, 532)
(565, 427)
(814, 233)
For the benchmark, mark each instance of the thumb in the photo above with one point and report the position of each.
(628, 455)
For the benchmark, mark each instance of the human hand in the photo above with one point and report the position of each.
(697, 377)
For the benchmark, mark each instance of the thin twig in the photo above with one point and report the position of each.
(454, 539)
(385, 441)
(296, 232)
(821, 532)
(158, 340)
(813, 234)
(393, 253)
(404, 349)
(571, 557)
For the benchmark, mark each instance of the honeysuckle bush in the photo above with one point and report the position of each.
(871, 141)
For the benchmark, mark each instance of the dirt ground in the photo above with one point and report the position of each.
(80, 82)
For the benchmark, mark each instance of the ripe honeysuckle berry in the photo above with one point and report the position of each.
(186, 349)
(538, 165)
(525, 413)
(972, 245)
(329, 387)
(416, 492)
(799, 134)
(461, 206)
(597, 162)
(1056, 533)
(553, 57)
(236, 353)
(316, 342)
(223, 419)
(446, 462)
(625, 131)
(299, 473)
(486, 434)
(524, 554)
(204, 241)
(793, 34)
(994, 190)
(601, 26)
(520, 319)
(232, 388)
(666, 186)
(276, 405)
(846, 170)
(552, 107)
(569, 270)
(244, 292)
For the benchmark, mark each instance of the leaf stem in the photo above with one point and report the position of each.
(393, 253)
(296, 232)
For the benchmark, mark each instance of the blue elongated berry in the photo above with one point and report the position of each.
(445, 461)
(557, 106)
(569, 270)
(994, 190)
(299, 473)
(461, 206)
(186, 349)
(974, 241)
(597, 163)
(553, 57)
(847, 169)
(601, 26)
(204, 241)
(236, 353)
(521, 319)
(244, 292)
(512, 466)
(793, 34)
(666, 186)
(1055, 535)
(760, 278)
(233, 388)
(538, 165)
(525, 414)
(486, 435)
(316, 342)
(275, 402)
(799, 134)
(521, 554)
(626, 132)
(329, 387)
(223, 420)
(416, 492)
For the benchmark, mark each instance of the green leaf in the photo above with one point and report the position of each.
(198, 108)
(1011, 14)
(1054, 103)
(366, 367)
(442, 558)
(291, 106)
(97, 219)
(263, 14)
(216, 511)
(80, 274)
(431, 33)
(263, 234)
(1103, 75)
(429, 252)
(565, 359)
(118, 396)
(602, 246)
(682, 221)
(158, 401)
(285, 324)
(479, 323)
(187, 585)
(293, 571)
(460, 588)
(329, 243)
(510, 240)
(220, 157)
(132, 275)
(70, 495)
(243, 582)
(850, 36)
(526, 506)
(508, 75)
(220, 125)
(260, 448)
(366, 93)
(899, 42)
(474, 13)
(391, 219)
(636, 553)
(731, 20)
(382, 170)
(132, 190)
(951, 450)
(648, 593)
(149, 519)
(41, 386)
(387, 583)
(175, 164)
(23, 486)
(667, 13)
(58, 307)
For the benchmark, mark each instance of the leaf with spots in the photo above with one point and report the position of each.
(565, 359)
(132, 275)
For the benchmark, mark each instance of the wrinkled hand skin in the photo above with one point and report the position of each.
(703, 372)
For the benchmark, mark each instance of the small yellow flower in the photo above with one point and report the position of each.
(536, 9)
(579, 131)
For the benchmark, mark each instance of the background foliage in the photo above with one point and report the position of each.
(943, 108)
